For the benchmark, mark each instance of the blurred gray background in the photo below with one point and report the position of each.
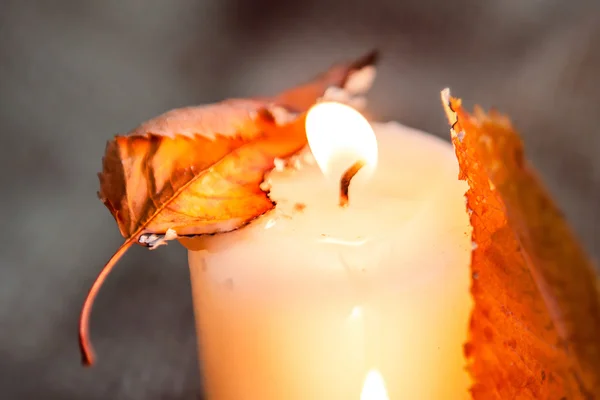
(73, 73)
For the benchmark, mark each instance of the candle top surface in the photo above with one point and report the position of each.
(413, 170)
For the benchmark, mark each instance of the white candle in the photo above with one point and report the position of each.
(306, 300)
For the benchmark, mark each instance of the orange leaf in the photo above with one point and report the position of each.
(535, 328)
(198, 170)
(195, 170)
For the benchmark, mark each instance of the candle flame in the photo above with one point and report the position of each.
(338, 136)
(374, 387)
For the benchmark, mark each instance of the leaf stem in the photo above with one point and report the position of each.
(85, 346)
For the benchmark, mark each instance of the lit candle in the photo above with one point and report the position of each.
(306, 300)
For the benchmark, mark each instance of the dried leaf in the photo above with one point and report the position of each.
(535, 328)
(198, 170)
(195, 170)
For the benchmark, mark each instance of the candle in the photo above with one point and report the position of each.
(328, 299)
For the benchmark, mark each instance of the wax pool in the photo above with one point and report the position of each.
(306, 300)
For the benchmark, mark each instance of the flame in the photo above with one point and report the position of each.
(374, 387)
(338, 136)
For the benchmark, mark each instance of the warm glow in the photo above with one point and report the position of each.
(374, 387)
(338, 136)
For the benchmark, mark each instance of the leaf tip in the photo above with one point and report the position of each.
(369, 59)
(446, 98)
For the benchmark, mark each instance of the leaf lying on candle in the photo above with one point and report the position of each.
(535, 328)
(198, 170)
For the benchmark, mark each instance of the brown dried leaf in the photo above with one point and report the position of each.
(198, 170)
(195, 170)
(535, 328)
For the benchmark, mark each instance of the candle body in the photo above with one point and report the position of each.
(307, 299)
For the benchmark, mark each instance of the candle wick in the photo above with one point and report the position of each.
(345, 181)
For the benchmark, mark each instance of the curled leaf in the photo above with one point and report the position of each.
(198, 170)
(535, 328)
